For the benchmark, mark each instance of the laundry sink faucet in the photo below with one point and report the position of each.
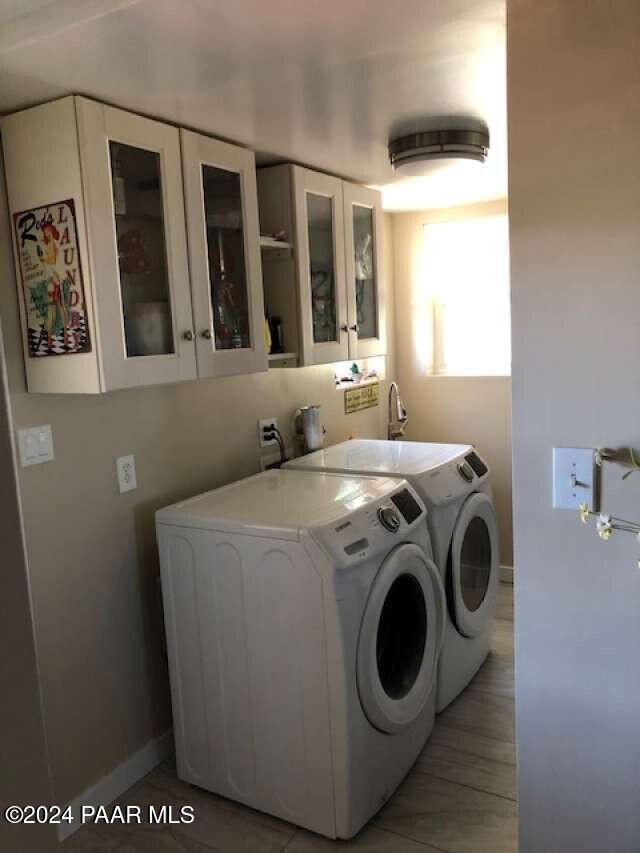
(398, 424)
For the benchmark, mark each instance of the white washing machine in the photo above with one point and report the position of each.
(304, 619)
(453, 482)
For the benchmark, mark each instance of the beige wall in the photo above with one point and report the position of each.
(574, 205)
(473, 410)
(92, 553)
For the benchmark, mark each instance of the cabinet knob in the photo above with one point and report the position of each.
(188, 335)
(344, 328)
(354, 328)
(206, 333)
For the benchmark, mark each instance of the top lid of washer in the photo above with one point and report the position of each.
(278, 503)
(366, 456)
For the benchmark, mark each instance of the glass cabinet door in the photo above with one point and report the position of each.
(365, 273)
(362, 212)
(319, 214)
(321, 268)
(224, 252)
(135, 213)
(142, 252)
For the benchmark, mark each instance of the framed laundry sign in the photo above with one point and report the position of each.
(362, 397)
(52, 285)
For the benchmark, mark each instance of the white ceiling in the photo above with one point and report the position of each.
(319, 82)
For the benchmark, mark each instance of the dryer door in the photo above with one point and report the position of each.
(400, 639)
(474, 565)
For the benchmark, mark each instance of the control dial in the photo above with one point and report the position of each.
(466, 472)
(389, 518)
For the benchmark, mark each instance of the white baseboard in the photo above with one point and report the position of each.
(121, 778)
(506, 574)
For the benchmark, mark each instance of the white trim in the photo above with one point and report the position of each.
(506, 574)
(121, 778)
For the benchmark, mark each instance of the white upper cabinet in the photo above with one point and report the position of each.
(363, 261)
(135, 217)
(138, 254)
(100, 239)
(224, 256)
(327, 294)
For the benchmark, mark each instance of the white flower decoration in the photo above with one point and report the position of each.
(604, 526)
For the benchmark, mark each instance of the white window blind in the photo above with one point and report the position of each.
(466, 276)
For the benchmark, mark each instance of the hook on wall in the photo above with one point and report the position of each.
(625, 456)
(606, 524)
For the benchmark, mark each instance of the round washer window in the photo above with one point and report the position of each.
(402, 636)
(475, 564)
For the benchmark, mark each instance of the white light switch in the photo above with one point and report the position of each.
(35, 445)
(126, 468)
(574, 478)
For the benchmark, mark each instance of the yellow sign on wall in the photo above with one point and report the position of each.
(363, 397)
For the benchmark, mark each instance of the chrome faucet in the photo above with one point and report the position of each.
(396, 429)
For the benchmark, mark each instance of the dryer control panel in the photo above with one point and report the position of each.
(373, 527)
(457, 478)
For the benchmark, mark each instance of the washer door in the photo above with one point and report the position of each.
(400, 639)
(474, 566)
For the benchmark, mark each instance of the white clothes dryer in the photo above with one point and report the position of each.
(304, 619)
(454, 483)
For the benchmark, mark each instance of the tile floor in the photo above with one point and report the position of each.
(460, 796)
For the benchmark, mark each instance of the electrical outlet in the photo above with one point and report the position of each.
(266, 422)
(126, 468)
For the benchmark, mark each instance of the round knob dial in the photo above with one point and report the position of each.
(466, 472)
(389, 519)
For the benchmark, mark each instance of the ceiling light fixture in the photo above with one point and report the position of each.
(414, 154)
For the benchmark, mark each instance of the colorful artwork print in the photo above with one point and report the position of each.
(52, 285)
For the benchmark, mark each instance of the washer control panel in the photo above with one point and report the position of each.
(373, 527)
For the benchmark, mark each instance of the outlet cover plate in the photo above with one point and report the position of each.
(266, 422)
(574, 478)
(126, 468)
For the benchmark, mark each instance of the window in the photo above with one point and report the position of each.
(466, 286)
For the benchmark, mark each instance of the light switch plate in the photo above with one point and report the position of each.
(35, 445)
(575, 478)
(126, 468)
